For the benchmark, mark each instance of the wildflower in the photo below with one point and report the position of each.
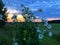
(15, 43)
(45, 23)
(49, 26)
(43, 31)
(50, 34)
(38, 30)
(41, 36)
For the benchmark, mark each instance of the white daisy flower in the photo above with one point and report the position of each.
(50, 34)
(15, 43)
(49, 26)
(45, 23)
(45, 19)
(41, 36)
(38, 30)
(43, 31)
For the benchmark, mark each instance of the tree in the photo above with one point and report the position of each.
(2, 14)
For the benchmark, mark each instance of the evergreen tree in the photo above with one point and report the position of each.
(2, 14)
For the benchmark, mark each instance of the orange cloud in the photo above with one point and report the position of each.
(37, 20)
(9, 20)
(50, 19)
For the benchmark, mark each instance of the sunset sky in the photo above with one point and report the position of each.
(51, 8)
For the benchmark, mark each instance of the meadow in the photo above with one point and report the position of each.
(9, 31)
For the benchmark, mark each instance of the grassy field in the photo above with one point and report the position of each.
(8, 32)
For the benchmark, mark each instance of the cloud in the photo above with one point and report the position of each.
(50, 19)
(33, 4)
(49, 6)
(10, 10)
(43, 5)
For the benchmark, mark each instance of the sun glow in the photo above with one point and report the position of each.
(9, 18)
(20, 18)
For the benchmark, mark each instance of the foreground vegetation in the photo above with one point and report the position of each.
(8, 32)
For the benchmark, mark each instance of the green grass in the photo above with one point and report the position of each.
(55, 26)
(7, 33)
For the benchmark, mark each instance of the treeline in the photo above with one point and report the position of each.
(54, 21)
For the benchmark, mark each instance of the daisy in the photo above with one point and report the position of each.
(41, 36)
(50, 34)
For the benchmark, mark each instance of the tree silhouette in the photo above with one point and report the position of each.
(2, 14)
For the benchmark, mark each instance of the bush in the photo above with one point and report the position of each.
(2, 23)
